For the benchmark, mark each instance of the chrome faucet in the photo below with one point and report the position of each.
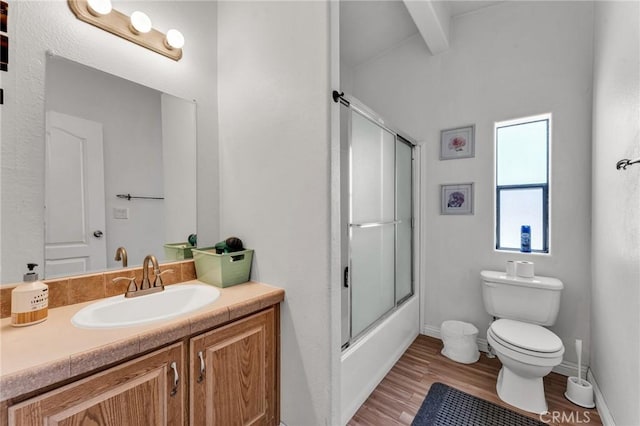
(145, 287)
(121, 254)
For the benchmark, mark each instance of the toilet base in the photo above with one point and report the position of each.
(524, 393)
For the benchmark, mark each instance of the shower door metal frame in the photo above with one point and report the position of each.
(357, 107)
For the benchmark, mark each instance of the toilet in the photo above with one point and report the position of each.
(527, 350)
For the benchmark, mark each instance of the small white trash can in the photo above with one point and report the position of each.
(459, 340)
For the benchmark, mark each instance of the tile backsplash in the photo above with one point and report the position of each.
(83, 288)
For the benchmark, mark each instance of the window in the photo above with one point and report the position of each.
(522, 182)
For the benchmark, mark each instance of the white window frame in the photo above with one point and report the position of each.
(546, 188)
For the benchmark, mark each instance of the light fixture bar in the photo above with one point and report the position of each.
(118, 23)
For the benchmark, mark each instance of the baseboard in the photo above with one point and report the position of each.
(601, 405)
(566, 368)
(431, 331)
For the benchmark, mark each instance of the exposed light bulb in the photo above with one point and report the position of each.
(99, 7)
(140, 23)
(174, 39)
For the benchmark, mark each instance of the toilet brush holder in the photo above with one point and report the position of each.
(580, 392)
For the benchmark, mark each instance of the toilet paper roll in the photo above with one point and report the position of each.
(511, 268)
(524, 269)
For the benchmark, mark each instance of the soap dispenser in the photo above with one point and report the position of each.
(29, 300)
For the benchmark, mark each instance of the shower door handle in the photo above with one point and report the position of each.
(345, 277)
(374, 224)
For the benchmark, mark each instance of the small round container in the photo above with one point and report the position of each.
(580, 392)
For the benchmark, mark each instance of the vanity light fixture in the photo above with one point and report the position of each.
(137, 28)
(99, 7)
(174, 39)
(140, 23)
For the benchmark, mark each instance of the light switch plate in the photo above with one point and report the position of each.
(120, 213)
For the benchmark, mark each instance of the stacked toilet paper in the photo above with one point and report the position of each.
(520, 268)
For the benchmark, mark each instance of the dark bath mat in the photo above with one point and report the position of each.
(446, 406)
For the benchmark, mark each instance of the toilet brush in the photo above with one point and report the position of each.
(579, 391)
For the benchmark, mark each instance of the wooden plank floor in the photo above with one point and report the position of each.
(398, 397)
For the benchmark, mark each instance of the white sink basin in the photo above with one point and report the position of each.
(119, 311)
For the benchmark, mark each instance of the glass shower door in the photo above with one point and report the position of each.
(404, 219)
(372, 222)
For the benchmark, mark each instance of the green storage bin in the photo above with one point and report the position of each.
(178, 251)
(222, 270)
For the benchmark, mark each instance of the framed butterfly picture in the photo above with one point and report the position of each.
(456, 198)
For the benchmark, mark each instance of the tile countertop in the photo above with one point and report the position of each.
(40, 355)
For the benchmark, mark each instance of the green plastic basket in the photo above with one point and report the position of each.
(222, 270)
(178, 251)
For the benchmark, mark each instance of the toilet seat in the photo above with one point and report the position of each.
(522, 355)
(526, 339)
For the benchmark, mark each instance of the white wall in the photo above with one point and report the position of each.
(274, 106)
(615, 327)
(34, 28)
(512, 60)
(346, 78)
(132, 143)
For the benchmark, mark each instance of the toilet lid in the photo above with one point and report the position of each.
(527, 336)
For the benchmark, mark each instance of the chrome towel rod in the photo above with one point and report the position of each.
(128, 197)
(623, 164)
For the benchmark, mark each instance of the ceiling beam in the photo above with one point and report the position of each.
(432, 19)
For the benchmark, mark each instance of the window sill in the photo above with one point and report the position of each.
(515, 251)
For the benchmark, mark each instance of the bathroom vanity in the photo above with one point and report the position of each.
(218, 365)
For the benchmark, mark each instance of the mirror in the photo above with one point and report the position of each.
(120, 170)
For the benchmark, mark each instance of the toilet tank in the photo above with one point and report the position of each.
(534, 300)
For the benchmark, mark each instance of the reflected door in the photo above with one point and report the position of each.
(74, 200)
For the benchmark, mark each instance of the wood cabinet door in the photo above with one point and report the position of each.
(234, 373)
(149, 390)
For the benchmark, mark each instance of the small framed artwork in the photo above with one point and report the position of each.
(4, 14)
(456, 198)
(457, 143)
(4, 39)
(4, 52)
